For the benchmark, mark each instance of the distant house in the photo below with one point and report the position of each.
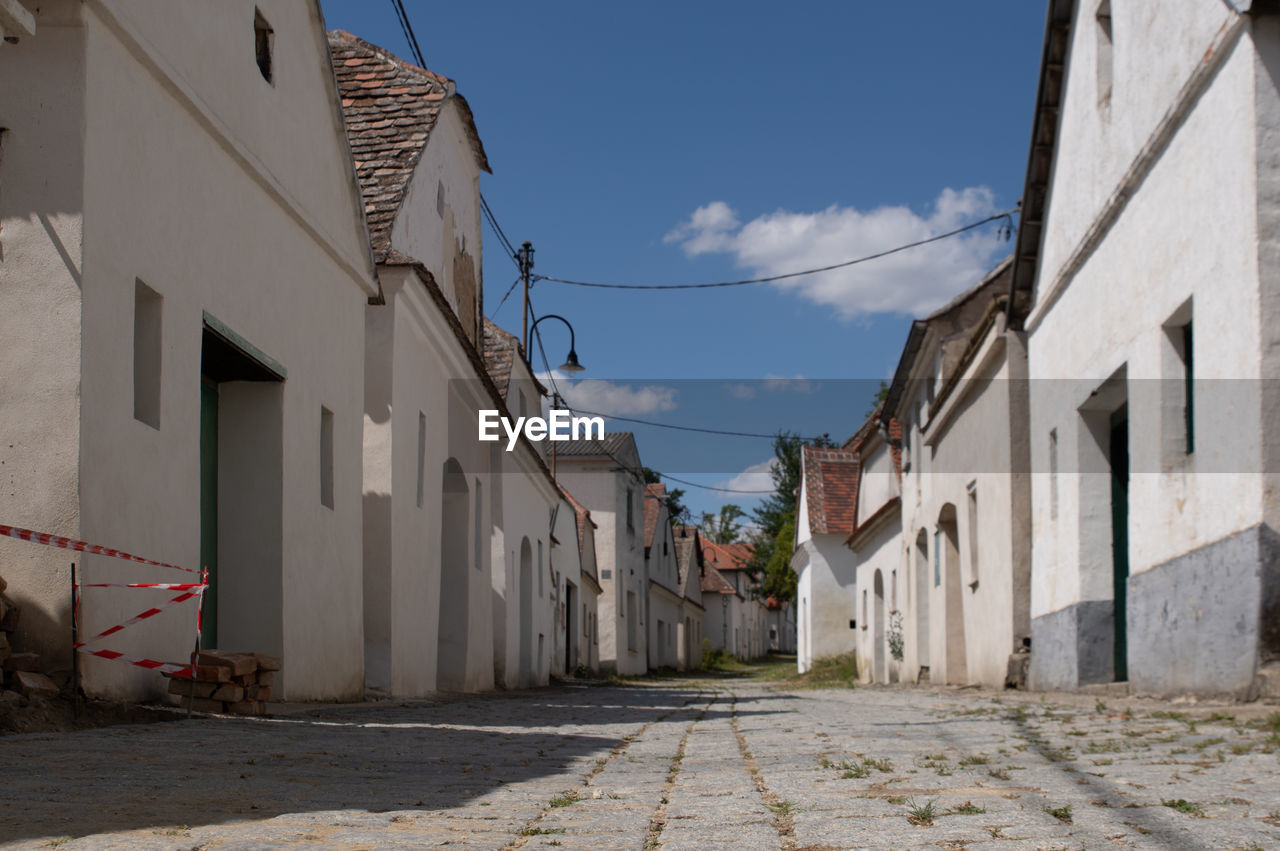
(664, 600)
(960, 393)
(184, 270)
(529, 569)
(733, 620)
(731, 562)
(433, 494)
(605, 476)
(1145, 281)
(780, 620)
(582, 628)
(689, 627)
(876, 544)
(721, 604)
(826, 619)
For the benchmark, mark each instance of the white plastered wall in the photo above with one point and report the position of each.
(156, 137)
(1188, 234)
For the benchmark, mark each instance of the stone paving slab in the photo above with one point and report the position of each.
(681, 764)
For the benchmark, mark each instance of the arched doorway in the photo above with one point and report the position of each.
(451, 640)
(524, 589)
(922, 605)
(948, 542)
(879, 671)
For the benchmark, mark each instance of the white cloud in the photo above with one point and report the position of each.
(710, 228)
(796, 384)
(755, 478)
(914, 281)
(594, 394)
(742, 391)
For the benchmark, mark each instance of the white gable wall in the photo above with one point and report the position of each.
(445, 237)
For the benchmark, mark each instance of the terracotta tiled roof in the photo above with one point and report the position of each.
(653, 496)
(686, 538)
(714, 583)
(725, 556)
(583, 517)
(499, 353)
(390, 107)
(831, 489)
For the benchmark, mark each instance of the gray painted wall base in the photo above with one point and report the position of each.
(1073, 647)
(1196, 623)
(1201, 623)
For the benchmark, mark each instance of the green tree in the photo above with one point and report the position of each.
(723, 528)
(779, 579)
(771, 558)
(881, 395)
(676, 510)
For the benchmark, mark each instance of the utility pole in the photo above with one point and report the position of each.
(525, 258)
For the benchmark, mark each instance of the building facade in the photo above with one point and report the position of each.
(172, 387)
(1150, 219)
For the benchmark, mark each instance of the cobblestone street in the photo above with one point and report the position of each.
(672, 763)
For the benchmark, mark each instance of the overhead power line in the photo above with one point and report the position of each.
(698, 429)
(1007, 214)
(709, 487)
(497, 229)
(510, 290)
(537, 335)
(407, 28)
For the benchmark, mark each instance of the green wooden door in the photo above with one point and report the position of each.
(1120, 536)
(209, 506)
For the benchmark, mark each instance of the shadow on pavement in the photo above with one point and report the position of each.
(371, 758)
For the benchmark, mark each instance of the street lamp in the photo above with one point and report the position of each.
(571, 363)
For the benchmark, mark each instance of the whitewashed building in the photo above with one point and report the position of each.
(1145, 279)
(581, 628)
(826, 619)
(529, 516)
(738, 624)
(666, 603)
(431, 490)
(960, 395)
(875, 543)
(605, 476)
(780, 621)
(185, 265)
(689, 627)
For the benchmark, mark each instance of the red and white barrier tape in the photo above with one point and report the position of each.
(166, 586)
(141, 616)
(173, 668)
(80, 546)
(189, 589)
(150, 664)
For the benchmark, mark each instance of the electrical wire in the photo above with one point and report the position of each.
(682, 427)
(1007, 214)
(407, 28)
(709, 487)
(497, 229)
(510, 290)
(537, 335)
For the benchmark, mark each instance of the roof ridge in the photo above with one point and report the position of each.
(396, 59)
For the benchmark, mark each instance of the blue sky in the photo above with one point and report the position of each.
(668, 143)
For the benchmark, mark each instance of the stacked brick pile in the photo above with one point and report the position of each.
(231, 683)
(21, 670)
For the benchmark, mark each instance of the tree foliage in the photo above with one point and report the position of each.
(723, 528)
(676, 510)
(775, 517)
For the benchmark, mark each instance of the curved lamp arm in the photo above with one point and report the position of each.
(571, 363)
